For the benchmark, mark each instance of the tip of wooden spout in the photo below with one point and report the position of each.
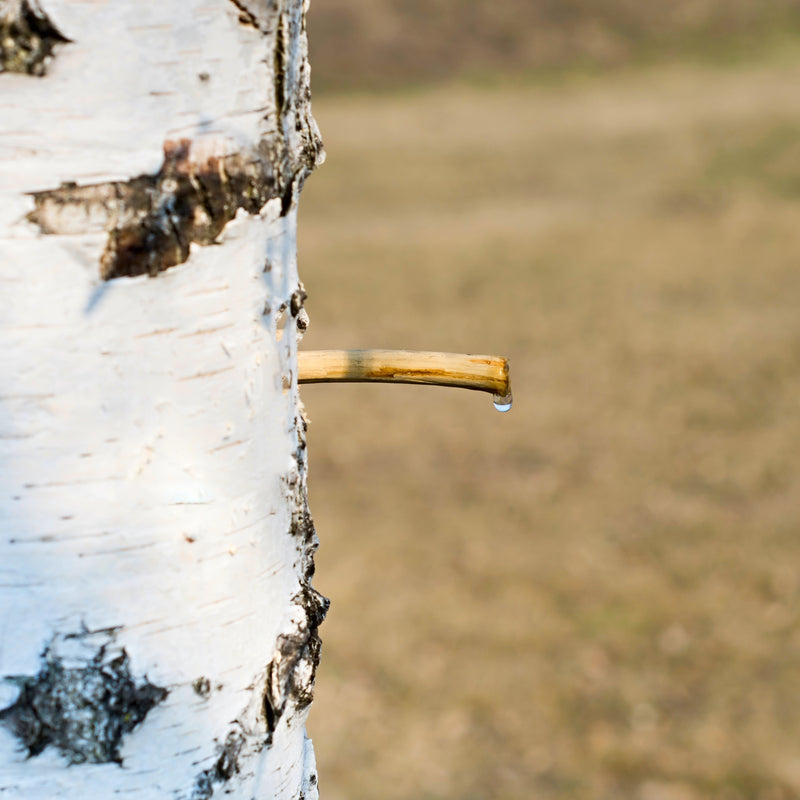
(460, 370)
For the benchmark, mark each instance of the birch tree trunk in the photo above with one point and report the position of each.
(158, 629)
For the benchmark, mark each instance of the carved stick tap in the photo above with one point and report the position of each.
(478, 372)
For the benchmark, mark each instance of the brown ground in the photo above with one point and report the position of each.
(375, 43)
(596, 595)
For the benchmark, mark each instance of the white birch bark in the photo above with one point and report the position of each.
(158, 630)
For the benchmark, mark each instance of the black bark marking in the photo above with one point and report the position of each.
(279, 67)
(302, 524)
(246, 17)
(271, 714)
(82, 701)
(286, 200)
(291, 673)
(297, 300)
(256, 13)
(226, 765)
(152, 220)
(27, 37)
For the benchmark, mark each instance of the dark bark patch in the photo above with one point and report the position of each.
(279, 67)
(27, 37)
(297, 300)
(83, 700)
(226, 765)
(291, 673)
(271, 714)
(302, 524)
(152, 220)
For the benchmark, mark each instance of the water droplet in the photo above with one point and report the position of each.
(503, 402)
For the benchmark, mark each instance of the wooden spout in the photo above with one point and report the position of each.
(481, 373)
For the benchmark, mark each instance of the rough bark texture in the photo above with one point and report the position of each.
(158, 626)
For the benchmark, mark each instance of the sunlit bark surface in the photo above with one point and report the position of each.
(158, 629)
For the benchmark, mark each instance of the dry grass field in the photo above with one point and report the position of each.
(597, 595)
(394, 42)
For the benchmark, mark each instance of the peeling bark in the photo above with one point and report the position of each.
(152, 220)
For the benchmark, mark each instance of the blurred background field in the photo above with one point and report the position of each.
(596, 595)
